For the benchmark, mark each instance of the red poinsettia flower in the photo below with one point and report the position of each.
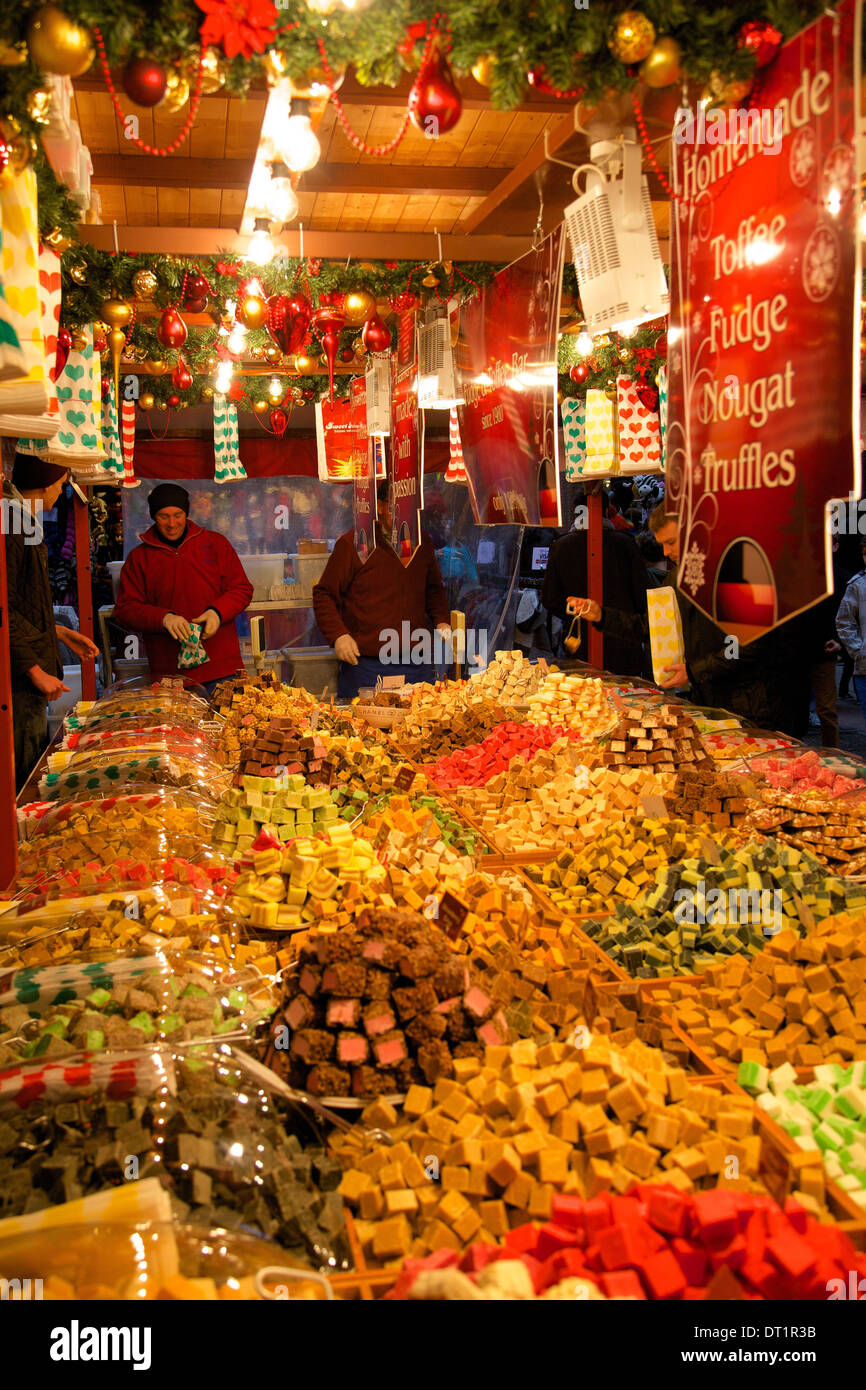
(390, 265)
(236, 392)
(240, 26)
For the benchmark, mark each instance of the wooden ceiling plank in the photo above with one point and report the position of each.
(446, 149)
(173, 206)
(330, 245)
(387, 212)
(327, 212)
(340, 148)
(141, 203)
(561, 132)
(487, 136)
(172, 172)
(356, 212)
(100, 128)
(244, 127)
(398, 178)
(204, 207)
(207, 139)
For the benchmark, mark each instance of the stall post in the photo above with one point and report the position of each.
(85, 591)
(8, 818)
(595, 573)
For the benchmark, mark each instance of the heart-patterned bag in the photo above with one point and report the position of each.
(665, 630)
(573, 414)
(639, 438)
(78, 442)
(662, 384)
(24, 399)
(602, 448)
(227, 459)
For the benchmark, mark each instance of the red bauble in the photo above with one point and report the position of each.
(144, 81)
(279, 420)
(402, 303)
(649, 397)
(579, 372)
(171, 330)
(760, 38)
(309, 394)
(174, 400)
(661, 345)
(347, 355)
(328, 323)
(287, 321)
(106, 387)
(195, 306)
(435, 104)
(376, 335)
(64, 343)
(181, 377)
(100, 342)
(196, 289)
(535, 77)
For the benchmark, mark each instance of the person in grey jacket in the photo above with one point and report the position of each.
(851, 627)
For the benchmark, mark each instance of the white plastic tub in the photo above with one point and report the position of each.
(262, 571)
(314, 668)
(309, 568)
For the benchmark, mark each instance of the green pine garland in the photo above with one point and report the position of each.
(559, 44)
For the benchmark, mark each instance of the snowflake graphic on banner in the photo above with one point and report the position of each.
(803, 158)
(693, 574)
(697, 321)
(698, 474)
(821, 261)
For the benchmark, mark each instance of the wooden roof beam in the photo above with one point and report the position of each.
(177, 171)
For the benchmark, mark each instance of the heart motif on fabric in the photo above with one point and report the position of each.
(76, 417)
(76, 371)
(67, 438)
(89, 441)
(64, 393)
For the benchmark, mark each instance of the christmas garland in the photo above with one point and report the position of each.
(558, 47)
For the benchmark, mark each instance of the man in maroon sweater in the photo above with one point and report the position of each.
(180, 574)
(360, 608)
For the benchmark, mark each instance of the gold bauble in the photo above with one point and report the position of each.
(273, 353)
(253, 311)
(306, 366)
(162, 405)
(12, 55)
(116, 312)
(155, 365)
(661, 66)
(207, 393)
(38, 103)
(176, 91)
(631, 37)
(625, 354)
(57, 44)
(144, 282)
(721, 92)
(210, 362)
(57, 240)
(79, 339)
(260, 406)
(358, 348)
(213, 72)
(358, 305)
(430, 280)
(482, 69)
(145, 401)
(21, 149)
(313, 83)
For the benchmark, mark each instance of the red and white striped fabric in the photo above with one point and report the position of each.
(127, 443)
(456, 470)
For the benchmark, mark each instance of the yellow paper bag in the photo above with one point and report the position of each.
(665, 631)
(602, 440)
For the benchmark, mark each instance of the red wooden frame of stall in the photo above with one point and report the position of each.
(8, 810)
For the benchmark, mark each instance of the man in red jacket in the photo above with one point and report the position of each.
(360, 609)
(180, 574)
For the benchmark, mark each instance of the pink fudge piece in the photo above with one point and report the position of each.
(352, 1049)
(343, 1013)
(390, 1050)
(476, 1002)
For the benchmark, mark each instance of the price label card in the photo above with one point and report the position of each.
(404, 777)
(393, 682)
(452, 914)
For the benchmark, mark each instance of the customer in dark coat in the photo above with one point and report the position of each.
(761, 682)
(625, 585)
(34, 636)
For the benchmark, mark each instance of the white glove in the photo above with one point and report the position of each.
(347, 649)
(176, 626)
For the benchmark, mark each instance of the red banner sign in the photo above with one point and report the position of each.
(406, 443)
(335, 436)
(763, 428)
(506, 361)
(363, 473)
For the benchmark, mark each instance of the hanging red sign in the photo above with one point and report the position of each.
(335, 434)
(765, 284)
(506, 360)
(406, 442)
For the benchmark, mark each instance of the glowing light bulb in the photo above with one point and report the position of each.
(261, 249)
(223, 377)
(584, 344)
(281, 200)
(236, 340)
(275, 390)
(834, 202)
(298, 145)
